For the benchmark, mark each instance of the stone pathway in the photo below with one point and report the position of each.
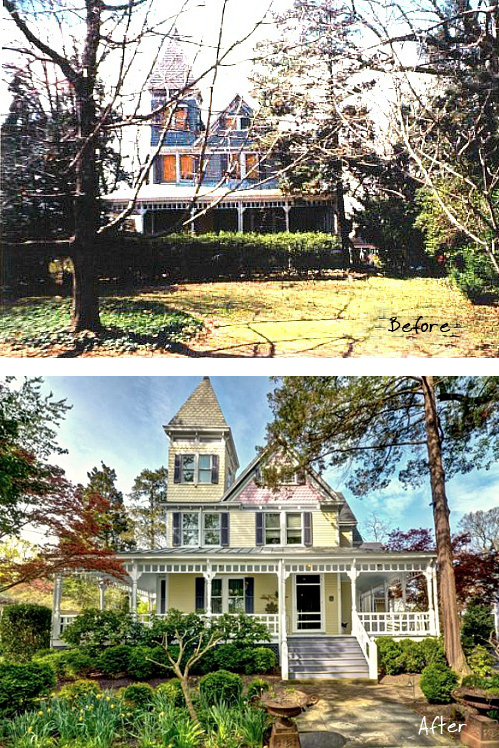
(362, 716)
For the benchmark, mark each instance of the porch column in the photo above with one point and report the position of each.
(208, 575)
(353, 574)
(56, 610)
(435, 600)
(134, 576)
(139, 221)
(403, 582)
(387, 601)
(240, 218)
(429, 588)
(282, 575)
(286, 209)
(102, 594)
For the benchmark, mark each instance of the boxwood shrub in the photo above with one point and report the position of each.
(437, 683)
(21, 684)
(138, 695)
(221, 686)
(408, 655)
(24, 629)
(115, 660)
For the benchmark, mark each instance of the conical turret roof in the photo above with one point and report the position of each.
(172, 70)
(201, 409)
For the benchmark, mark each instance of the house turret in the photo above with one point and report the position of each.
(202, 457)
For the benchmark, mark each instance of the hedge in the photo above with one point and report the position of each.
(178, 257)
(20, 685)
(24, 629)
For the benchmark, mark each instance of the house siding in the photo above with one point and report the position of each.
(192, 492)
(345, 538)
(325, 529)
(242, 529)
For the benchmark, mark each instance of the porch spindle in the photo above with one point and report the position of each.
(56, 610)
(429, 587)
(102, 594)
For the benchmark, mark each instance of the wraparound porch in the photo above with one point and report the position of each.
(313, 597)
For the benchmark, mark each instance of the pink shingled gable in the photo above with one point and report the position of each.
(302, 494)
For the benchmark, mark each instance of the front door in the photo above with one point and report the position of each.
(308, 602)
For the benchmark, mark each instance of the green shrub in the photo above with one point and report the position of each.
(413, 659)
(68, 664)
(257, 687)
(261, 660)
(241, 630)
(433, 651)
(390, 657)
(138, 694)
(437, 683)
(98, 628)
(473, 274)
(25, 628)
(477, 624)
(80, 689)
(115, 660)
(478, 681)
(21, 684)
(229, 657)
(480, 661)
(55, 661)
(172, 692)
(221, 686)
(146, 662)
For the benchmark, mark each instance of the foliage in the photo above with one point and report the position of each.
(408, 656)
(67, 665)
(479, 681)
(221, 686)
(98, 628)
(230, 657)
(24, 629)
(478, 623)
(241, 630)
(79, 690)
(171, 691)
(21, 684)
(390, 659)
(437, 683)
(146, 509)
(131, 325)
(143, 662)
(483, 529)
(481, 661)
(262, 660)
(433, 651)
(116, 534)
(115, 660)
(257, 687)
(473, 273)
(138, 694)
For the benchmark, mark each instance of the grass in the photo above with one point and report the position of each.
(328, 318)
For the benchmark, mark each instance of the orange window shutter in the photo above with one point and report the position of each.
(169, 169)
(235, 167)
(181, 119)
(186, 167)
(230, 123)
(251, 166)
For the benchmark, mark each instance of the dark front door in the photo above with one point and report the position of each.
(308, 602)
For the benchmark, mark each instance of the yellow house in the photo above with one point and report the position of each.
(292, 557)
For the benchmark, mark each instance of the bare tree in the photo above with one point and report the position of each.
(483, 528)
(376, 527)
(88, 43)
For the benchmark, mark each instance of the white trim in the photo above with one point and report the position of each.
(338, 586)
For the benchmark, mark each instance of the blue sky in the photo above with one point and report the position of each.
(119, 420)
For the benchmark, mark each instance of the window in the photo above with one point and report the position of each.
(216, 596)
(180, 119)
(196, 468)
(252, 169)
(245, 123)
(190, 528)
(236, 596)
(293, 529)
(211, 529)
(188, 468)
(230, 165)
(272, 529)
(169, 169)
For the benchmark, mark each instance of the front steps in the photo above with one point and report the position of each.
(326, 657)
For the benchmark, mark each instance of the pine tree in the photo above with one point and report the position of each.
(116, 535)
(148, 496)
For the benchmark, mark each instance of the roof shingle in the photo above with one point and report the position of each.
(201, 409)
(172, 70)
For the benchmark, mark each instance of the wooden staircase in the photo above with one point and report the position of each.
(326, 657)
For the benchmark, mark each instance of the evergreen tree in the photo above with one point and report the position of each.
(147, 513)
(116, 534)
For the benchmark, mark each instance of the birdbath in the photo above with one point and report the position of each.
(284, 705)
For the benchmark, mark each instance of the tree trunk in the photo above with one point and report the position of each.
(85, 304)
(447, 583)
(344, 225)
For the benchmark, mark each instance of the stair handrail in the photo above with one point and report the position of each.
(367, 644)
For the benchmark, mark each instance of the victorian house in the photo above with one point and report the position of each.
(209, 164)
(293, 557)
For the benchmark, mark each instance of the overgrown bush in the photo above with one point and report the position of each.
(138, 695)
(68, 664)
(473, 274)
(21, 684)
(408, 655)
(477, 623)
(172, 692)
(257, 687)
(79, 689)
(221, 686)
(24, 628)
(114, 660)
(241, 630)
(98, 628)
(437, 683)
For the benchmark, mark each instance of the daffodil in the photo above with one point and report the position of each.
(40, 713)
(30, 728)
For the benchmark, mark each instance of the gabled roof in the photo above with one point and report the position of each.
(172, 69)
(200, 410)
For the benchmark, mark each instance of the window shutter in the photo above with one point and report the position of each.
(200, 587)
(176, 475)
(259, 528)
(307, 528)
(300, 477)
(176, 537)
(249, 595)
(214, 468)
(224, 529)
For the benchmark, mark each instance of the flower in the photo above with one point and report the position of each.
(108, 698)
(30, 728)
(113, 706)
(100, 696)
(80, 719)
(40, 713)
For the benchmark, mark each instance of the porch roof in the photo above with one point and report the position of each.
(369, 550)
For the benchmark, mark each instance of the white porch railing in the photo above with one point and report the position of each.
(367, 645)
(270, 620)
(405, 623)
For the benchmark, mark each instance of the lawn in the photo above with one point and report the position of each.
(343, 317)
